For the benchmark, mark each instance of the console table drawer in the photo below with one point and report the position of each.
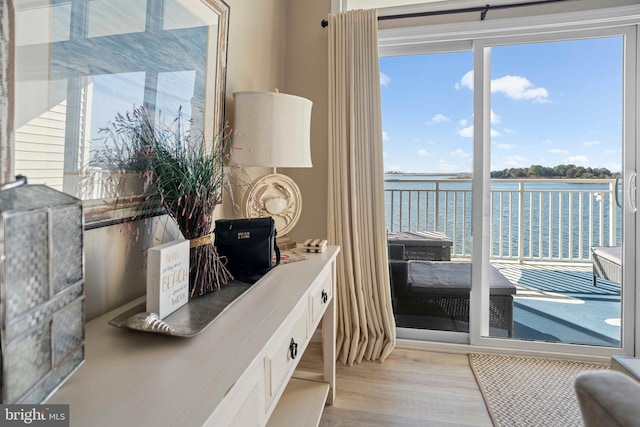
(285, 354)
(320, 297)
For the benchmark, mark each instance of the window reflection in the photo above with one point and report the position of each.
(186, 14)
(81, 62)
(110, 17)
(43, 22)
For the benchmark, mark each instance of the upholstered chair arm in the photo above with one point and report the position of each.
(608, 398)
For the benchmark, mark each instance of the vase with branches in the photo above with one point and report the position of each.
(182, 173)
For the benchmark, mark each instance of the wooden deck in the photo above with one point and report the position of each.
(552, 279)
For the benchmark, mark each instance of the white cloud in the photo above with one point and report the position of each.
(466, 81)
(577, 160)
(439, 118)
(423, 152)
(463, 122)
(460, 153)
(444, 166)
(384, 79)
(466, 132)
(517, 87)
(514, 87)
(588, 143)
(611, 151)
(504, 146)
(494, 117)
(385, 136)
(614, 167)
(558, 151)
(507, 130)
(514, 161)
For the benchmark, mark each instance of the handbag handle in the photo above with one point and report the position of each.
(277, 249)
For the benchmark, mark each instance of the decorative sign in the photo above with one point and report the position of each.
(167, 277)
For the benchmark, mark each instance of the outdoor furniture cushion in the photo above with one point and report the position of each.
(452, 278)
(607, 263)
(424, 245)
(447, 285)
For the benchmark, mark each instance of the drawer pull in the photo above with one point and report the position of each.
(324, 296)
(293, 349)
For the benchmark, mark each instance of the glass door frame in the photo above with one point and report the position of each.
(479, 37)
(479, 304)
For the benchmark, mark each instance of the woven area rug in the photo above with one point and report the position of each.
(529, 391)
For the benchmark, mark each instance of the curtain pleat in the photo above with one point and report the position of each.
(366, 326)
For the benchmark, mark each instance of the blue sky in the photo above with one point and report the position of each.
(122, 92)
(552, 103)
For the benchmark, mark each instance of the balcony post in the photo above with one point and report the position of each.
(520, 222)
(436, 225)
(613, 218)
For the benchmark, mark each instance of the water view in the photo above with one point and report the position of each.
(560, 219)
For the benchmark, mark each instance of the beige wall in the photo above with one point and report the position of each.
(306, 75)
(291, 55)
(255, 62)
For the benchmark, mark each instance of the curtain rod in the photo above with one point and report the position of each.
(482, 9)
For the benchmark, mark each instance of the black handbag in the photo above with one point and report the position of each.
(248, 245)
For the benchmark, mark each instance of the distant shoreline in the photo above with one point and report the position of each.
(470, 176)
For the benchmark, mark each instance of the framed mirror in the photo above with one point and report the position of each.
(79, 63)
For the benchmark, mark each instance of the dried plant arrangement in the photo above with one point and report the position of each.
(182, 173)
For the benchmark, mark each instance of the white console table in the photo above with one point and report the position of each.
(237, 372)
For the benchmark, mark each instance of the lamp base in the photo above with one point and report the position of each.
(277, 196)
(284, 243)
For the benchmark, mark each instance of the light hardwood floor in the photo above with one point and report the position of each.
(411, 388)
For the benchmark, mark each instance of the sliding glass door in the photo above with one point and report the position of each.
(556, 230)
(427, 118)
(530, 182)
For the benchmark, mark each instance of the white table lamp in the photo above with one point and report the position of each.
(272, 129)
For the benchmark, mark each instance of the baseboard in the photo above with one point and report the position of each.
(453, 348)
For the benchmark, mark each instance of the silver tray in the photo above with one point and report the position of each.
(187, 321)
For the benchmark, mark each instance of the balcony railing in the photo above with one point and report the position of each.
(531, 219)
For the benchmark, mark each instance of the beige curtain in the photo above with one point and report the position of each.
(366, 327)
